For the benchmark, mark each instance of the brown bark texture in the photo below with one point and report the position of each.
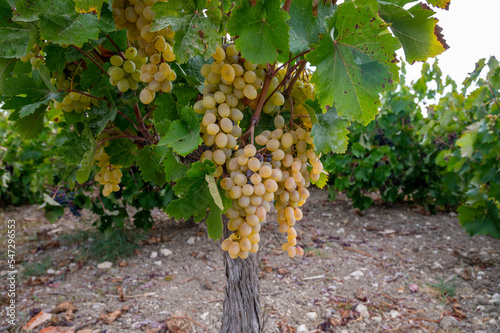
(241, 307)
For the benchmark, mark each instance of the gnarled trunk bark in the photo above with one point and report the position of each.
(241, 307)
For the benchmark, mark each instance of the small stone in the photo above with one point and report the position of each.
(204, 315)
(395, 314)
(480, 331)
(302, 328)
(363, 310)
(153, 255)
(495, 299)
(50, 271)
(157, 263)
(448, 322)
(73, 267)
(341, 231)
(357, 274)
(191, 240)
(166, 252)
(377, 319)
(105, 265)
(312, 315)
(480, 300)
(481, 273)
(493, 322)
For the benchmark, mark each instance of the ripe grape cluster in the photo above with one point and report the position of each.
(109, 175)
(67, 200)
(124, 72)
(69, 79)
(136, 16)
(277, 169)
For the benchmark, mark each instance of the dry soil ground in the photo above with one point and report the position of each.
(385, 270)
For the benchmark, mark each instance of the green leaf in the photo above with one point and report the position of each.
(100, 116)
(417, 31)
(484, 219)
(466, 144)
(322, 181)
(330, 132)
(14, 42)
(31, 126)
(214, 222)
(196, 24)
(183, 135)
(171, 164)
(305, 27)
(69, 29)
(194, 199)
(262, 30)
(29, 10)
(121, 152)
(149, 162)
(214, 191)
(73, 146)
(443, 4)
(353, 68)
(82, 175)
(87, 6)
(55, 57)
(35, 90)
(6, 67)
(5, 14)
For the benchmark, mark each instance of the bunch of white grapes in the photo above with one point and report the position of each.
(109, 175)
(136, 16)
(125, 71)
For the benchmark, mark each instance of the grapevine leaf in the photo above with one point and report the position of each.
(29, 10)
(82, 175)
(6, 66)
(330, 132)
(183, 135)
(100, 115)
(119, 38)
(483, 219)
(354, 62)
(34, 89)
(90, 76)
(165, 113)
(214, 191)
(443, 4)
(44, 73)
(5, 14)
(196, 24)
(194, 198)
(121, 152)
(72, 146)
(171, 164)
(149, 162)
(69, 29)
(55, 58)
(31, 126)
(305, 27)
(143, 219)
(261, 28)
(416, 30)
(466, 144)
(88, 6)
(322, 181)
(14, 42)
(214, 222)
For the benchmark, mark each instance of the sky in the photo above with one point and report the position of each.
(472, 30)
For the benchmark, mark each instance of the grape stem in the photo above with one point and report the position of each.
(116, 47)
(286, 6)
(130, 120)
(91, 59)
(140, 122)
(285, 78)
(260, 104)
(302, 66)
(83, 93)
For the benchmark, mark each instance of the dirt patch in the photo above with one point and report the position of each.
(382, 270)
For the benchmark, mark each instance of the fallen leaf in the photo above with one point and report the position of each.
(51, 245)
(357, 211)
(63, 307)
(53, 329)
(121, 295)
(37, 320)
(36, 281)
(109, 318)
(85, 330)
(283, 271)
(173, 328)
(123, 264)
